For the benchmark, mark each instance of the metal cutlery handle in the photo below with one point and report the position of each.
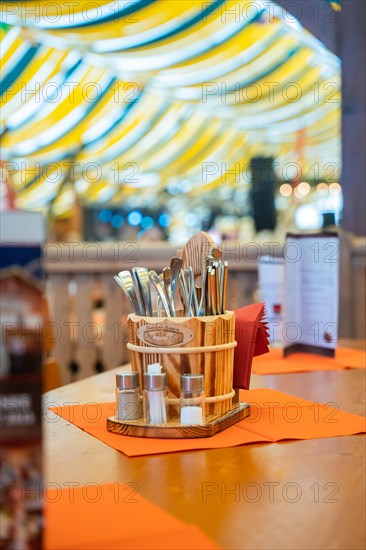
(143, 277)
(184, 292)
(155, 279)
(159, 305)
(214, 291)
(217, 290)
(187, 277)
(124, 280)
(214, 274)
(203, 301)
(224, 287)
(193, 291)
(139, 291)
(175, 265)
(167, 275)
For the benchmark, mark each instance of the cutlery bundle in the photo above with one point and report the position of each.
(191, 334)
(200, 274)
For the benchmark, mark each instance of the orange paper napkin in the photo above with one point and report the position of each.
(114, 516)
(275, 363)
(251, 334)
(275, 416)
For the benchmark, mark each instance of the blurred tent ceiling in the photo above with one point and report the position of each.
(106, 99)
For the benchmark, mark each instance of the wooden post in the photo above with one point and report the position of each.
(352, 50)
(344, 34)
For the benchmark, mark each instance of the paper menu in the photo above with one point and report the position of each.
(271, 274)
(311, 288)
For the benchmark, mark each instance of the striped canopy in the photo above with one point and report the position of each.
(103, 99)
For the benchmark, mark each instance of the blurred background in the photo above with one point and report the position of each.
(127, 126)
(132, 125)
(152, 120)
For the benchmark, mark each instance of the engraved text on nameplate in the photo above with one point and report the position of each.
(165, 335)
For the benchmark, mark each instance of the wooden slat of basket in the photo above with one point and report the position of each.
(216, 366)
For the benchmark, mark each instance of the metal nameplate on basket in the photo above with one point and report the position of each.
(165, 335)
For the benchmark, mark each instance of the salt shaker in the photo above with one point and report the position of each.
(192, 399)
(128, 405)
(155, 398)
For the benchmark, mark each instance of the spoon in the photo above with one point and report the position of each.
(124, 280)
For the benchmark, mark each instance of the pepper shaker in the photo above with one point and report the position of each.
(128, 405)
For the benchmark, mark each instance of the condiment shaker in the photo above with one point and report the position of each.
(155, 398)
(192, 399)
(128, 406)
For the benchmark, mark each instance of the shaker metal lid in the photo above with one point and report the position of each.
(154, 381)
(127, 380)
(191, 382)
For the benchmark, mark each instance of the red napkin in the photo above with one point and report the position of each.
(251, 333)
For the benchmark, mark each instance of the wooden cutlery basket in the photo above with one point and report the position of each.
(186, 345)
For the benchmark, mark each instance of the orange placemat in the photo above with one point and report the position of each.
(114, 516)
(274, 362)
(275, 416)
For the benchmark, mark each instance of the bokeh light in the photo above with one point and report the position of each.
(322, 189)
(335, 189)
(147, 222)
(303, 188)
(165, 220)
(286, 190)
(191, 219)
(117, 221)
(134, 217)
(105, 216)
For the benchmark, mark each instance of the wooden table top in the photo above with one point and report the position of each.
(291, 495)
